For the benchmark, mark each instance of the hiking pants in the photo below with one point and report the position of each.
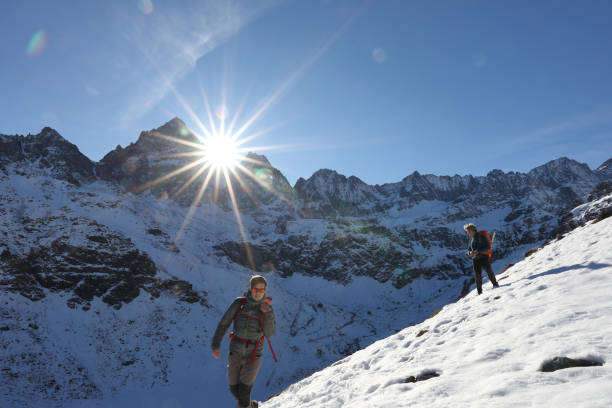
(480, 263)
(241, 375)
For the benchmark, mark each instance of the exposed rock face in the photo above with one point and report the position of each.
(602, 189)
(45, 153)
(261, 184)
(598, 209)
(340, 257)
(327, 193)
(605, 170)
(86, 262)
(156, 154)
(153, 164)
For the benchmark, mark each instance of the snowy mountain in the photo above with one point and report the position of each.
(107, 295)
(510, 347)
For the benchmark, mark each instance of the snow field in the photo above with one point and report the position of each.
(488, 349)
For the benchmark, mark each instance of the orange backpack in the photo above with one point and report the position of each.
(486, 235)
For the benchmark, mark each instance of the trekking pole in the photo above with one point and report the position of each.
(272, 350)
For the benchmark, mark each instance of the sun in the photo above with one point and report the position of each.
(220, 152)
(221, 159)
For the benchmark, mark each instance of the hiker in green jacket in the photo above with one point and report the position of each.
(253, 319)
(479, 249)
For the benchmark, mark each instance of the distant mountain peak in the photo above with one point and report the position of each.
(605, 169)
(561, 162)
(496, 173)
(47, 152)
(49, 131)
(174, 126)
(259, 158)
(326, 173)
(607, 165)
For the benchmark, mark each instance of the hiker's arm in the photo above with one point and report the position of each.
(269, 324)
(224, 324)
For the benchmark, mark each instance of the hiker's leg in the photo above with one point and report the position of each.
(244, 399)
(235, 390)
(248, 373)
(233, 373)
(489, 269)
(478, 276)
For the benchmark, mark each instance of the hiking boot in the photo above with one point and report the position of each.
(253, 404)
(234, 391)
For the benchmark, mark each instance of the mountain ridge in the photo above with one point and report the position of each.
(178, 129)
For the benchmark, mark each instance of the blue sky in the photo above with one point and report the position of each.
(376, 89)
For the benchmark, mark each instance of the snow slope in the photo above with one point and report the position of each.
(488, 349)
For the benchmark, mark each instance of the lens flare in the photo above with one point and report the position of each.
(379, 55)
(221, 112)
(146, 6)
(264, 174)
(183, 131)
(37, 42)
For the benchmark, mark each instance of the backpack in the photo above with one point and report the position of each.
(485, 234)
(242, 301)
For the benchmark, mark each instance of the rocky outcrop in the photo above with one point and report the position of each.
(605, 170)
(326, 194)
(92, 262)
(167, 162)
(340, 258)
(46, 153)
(427, 375)
(560, 363)
(148, 164)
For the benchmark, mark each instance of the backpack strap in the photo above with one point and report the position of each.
(242, 301)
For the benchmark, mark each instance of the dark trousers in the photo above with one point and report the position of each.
(241, 375)
(480, 263)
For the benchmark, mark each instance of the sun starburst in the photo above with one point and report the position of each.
(220, 151)
(219, 160)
